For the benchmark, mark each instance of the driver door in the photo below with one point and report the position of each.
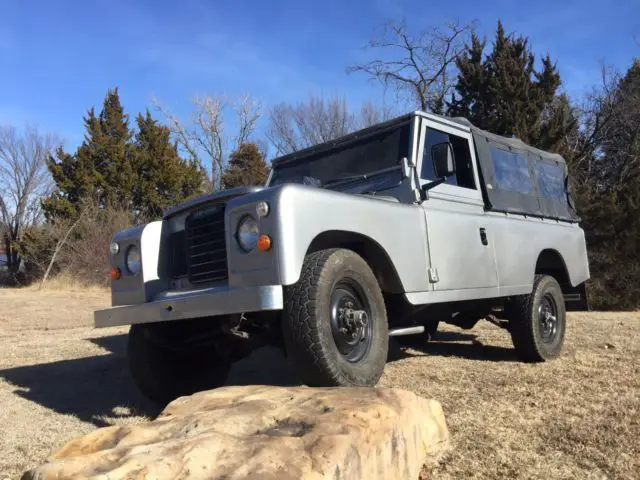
(459, 236)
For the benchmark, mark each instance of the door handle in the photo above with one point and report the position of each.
(483, 236)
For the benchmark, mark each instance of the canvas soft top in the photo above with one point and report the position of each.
(515, 177)
(519, 178)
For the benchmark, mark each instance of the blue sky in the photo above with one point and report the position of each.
(59, 58)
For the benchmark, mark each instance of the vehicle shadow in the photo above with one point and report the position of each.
(265, 366)
(96, 389)
(100, 390)
(452, 344)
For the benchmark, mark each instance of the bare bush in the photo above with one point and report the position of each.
(86, 254)
(77, 248)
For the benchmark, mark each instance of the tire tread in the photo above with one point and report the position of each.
(304, 341)
(522, 325)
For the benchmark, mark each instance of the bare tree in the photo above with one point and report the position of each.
(59, 246)
(371, 114)
(421, 66)
(205, 137)
(605, 166)
(24, 180)
(609, 118)
(317, 120)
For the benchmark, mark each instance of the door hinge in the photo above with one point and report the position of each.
(433, 275)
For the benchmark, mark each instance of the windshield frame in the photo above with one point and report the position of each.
(316, 153)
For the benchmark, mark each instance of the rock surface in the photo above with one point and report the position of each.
(265, 432)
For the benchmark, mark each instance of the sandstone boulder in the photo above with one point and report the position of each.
(265, 432)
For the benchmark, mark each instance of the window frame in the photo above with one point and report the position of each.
(446, 191)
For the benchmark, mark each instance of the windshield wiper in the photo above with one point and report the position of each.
(347, 178)
(362, 176)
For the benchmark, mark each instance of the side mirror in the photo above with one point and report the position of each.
(444, 166)
(443, 160)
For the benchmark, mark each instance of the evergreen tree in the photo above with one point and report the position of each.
(163, 178)
(102, 166)
(140, 173)
(504, 93)
(246, 167)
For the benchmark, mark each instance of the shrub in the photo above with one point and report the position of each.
(80, 246)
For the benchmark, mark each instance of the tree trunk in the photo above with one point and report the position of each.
(12, 255)
(13, 259)
(59, 246)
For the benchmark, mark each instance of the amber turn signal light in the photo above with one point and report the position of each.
(264, 243)
(115, 273)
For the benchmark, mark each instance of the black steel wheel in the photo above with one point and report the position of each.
(334, 322)
(548, 319)
(350, 325)
(538, 321)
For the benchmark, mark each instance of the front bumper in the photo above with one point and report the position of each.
(206, 302)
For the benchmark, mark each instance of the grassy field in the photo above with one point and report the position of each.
(576, 417)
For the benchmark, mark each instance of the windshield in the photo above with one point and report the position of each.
(377, 152)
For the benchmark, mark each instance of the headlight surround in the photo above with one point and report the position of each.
(248, 233)
(133, 260)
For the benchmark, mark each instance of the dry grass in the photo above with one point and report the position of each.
(25, 309)
(576, 417)
(66, 282)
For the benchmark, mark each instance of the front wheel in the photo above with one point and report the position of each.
(537, 321)
(335, 322)
(165, 367)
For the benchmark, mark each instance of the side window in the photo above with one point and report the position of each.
(550, 178)
(433, 137)
(464, 167)
(512, 171)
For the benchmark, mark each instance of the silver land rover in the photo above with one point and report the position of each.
(383, 232)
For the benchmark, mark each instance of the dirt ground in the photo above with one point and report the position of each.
(576, 417)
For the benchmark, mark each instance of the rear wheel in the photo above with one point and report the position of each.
(537, 321)
(165, 366)
(335, 323)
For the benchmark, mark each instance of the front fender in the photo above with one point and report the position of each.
(134, 289)
(303, 213)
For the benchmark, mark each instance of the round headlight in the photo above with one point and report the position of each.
(248, 233)
(133, 260)
(262, 209)
(114, 248)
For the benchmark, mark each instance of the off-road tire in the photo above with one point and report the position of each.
(524, 321)
(307, 321)
(164, 372)
(430, 333)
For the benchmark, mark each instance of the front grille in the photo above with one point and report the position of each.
(206, 250)
(177, 254)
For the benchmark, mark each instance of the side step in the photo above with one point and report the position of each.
(396, 332)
